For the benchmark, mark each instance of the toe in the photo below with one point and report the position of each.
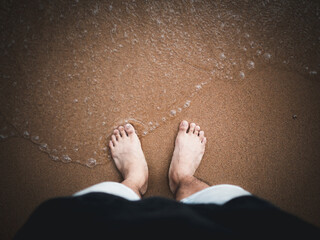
(204, 141)
(184, 126)
(122, 131)
(114, 140)
(129, 129)
(196, 130)
(111, 144)
(117, 134)
(192, 127)
(201, 135)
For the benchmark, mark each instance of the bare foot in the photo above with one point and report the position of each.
(129, 158)
(189, 149)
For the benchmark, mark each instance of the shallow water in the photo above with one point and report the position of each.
(72, 72)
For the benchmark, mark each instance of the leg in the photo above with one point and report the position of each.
(188, 186)
(129, 158)
(189, 149)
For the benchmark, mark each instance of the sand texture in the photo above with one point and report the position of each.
(246, 71)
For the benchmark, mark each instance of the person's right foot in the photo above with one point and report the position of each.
(189, 149)
(129, 158)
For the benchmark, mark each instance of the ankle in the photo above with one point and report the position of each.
(189, 185)
(139, 186)
(186, 180)
(176, 180)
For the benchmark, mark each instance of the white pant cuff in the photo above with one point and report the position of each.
(218, 194)
(113, 188)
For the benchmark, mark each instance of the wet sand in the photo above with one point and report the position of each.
(247, 73)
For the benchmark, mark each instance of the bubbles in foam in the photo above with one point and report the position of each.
(242, 75)
(222, 56)
(2, 136)
(35, 139)
(54, 158)
(252, 44)
(250, 64)
(26, 134)
(76, 148)
(198, 87)
(54, 151)
(6, 131)
(66, 159)
(44, 147)
(187, 104)
(267, 56)
(173, 113)
(91, 162)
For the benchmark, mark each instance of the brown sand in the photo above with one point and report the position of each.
(247, 73)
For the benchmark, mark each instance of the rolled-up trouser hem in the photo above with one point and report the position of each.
(113, 188)
(218, 194)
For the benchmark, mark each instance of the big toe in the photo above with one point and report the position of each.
(184, 126)
(129, 129)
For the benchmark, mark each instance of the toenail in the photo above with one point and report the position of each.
(128, 126)
(184, 123)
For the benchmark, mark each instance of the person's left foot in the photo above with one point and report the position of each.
(128, 156)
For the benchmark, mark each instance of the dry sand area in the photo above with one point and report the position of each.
(248, 72)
